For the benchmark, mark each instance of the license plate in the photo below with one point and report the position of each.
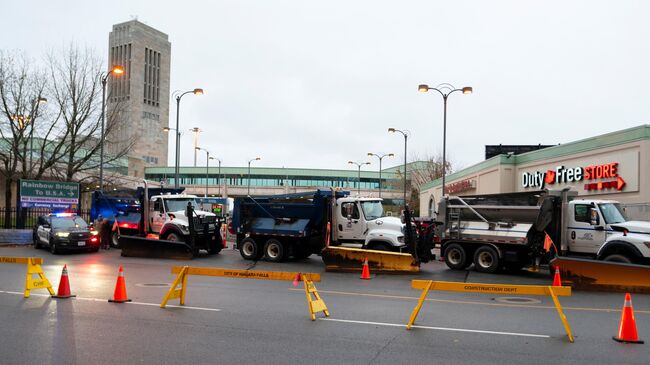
(81, 243)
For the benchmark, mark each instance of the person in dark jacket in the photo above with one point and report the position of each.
(105, 233)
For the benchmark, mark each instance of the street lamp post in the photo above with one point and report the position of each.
(249, 173)
(116, 70)
(218, 175)
(405, 134)
(207, 166)
(359, 164)
(37, 102)
(196, 131)
(196, 91)
(380, 157)
(445, 90)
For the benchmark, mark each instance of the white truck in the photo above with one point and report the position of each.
(508, 230)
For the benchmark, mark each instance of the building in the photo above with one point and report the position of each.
(611, 166)
(138, 99)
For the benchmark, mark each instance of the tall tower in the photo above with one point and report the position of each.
(138, 99)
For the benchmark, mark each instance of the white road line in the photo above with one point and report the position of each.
(106, 301)
(436, 328)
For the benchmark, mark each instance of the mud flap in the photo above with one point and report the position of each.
(603, 275)
(346, 259)
(134, 246)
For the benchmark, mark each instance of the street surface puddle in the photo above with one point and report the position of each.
(517, 300)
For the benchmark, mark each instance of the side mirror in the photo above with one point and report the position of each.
(594, 217)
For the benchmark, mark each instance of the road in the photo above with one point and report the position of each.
(266, 322)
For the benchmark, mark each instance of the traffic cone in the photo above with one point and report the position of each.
(64, 285)
(120, 289)
(296, 280)
(365, 273)
(225, 236)
(627, 328)
(556, 279)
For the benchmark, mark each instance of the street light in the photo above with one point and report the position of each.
(359, 164)
(207, 166)
(196, 131)
(218, 174)
(445, 90)
(196, 91)
(116, 70)
(405, 134)
(380, 157)
(249, 173)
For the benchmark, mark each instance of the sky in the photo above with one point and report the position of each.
(316, 84)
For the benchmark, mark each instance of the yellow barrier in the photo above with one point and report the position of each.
(33, 268)
(552, 291)
(315, 304)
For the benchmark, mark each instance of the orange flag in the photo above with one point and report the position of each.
(548, 242)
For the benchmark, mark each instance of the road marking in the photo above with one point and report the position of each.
(388, 296)
(106, 301)
(436, 328)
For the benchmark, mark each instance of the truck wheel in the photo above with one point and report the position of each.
(486, 259)
(249, 249)
(173, 236)
(216, 246)
(274, 250)
(456, 257)
(380, 247)
(115, 242)
(618, 257)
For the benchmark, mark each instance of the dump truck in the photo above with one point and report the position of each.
(296, 225)
(121, 206)
(172, 226)
(509, 230)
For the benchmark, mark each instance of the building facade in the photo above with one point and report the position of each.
(612, 166)
(138, 99)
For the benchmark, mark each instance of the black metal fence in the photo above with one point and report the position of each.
(26, 217)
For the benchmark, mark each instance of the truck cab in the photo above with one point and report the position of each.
(599, 228)
(362, 221)
(167, 215)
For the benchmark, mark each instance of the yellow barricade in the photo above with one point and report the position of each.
(33, 268)
(178, 288)
(552, 291)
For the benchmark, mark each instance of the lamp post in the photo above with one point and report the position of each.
(249, 173)
(178, 137)
(196, 131)
(207, 166)
(116, 70)
(196, 91)
(445, 90)
(218, 175)
(380, 157)
(359, 164)
(405, 134)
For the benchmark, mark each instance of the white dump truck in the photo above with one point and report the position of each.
(508, 230)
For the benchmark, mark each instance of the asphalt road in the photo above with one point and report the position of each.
(246, 321)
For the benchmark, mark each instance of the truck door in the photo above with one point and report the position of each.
(583, 237)
(157, 214)
(350, 224)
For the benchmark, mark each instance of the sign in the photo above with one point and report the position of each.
(594, 175)
(460, 186)
(48, 194)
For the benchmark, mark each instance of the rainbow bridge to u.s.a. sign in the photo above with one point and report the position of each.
(48, 194)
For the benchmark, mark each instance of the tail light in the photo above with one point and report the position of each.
(128, 225)
(230, 229)
(94, 239)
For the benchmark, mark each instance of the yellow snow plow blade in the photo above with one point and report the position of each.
(603, 275)
(348, 259)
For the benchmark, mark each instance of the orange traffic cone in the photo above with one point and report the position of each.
(120, 289)
(365, 273)
(64, 285)
(296, 280)
(627, 328)
(556, 279)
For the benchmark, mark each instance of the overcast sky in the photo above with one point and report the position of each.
(315, 84)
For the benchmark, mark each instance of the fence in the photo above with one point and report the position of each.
(26, 217)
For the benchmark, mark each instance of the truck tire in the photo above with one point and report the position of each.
(274, 250)
(216, 246)
(486, 259)
(619, 257)
(173, 236)
(456, 257)
(249, 249)
(379, 246)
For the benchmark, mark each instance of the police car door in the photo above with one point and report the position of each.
(583, 237)
(44, 228)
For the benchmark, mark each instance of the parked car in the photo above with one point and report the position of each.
(64, 231)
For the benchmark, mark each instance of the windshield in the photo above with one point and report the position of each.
(612, 213)
(372, 209)
(175, 205)
(68, 222)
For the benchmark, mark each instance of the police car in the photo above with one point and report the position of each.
(64, 231)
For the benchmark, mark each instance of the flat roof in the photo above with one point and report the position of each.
(616, 138)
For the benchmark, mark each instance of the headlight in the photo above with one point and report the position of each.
(62, 234)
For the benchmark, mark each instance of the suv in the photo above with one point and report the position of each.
(64, 231)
